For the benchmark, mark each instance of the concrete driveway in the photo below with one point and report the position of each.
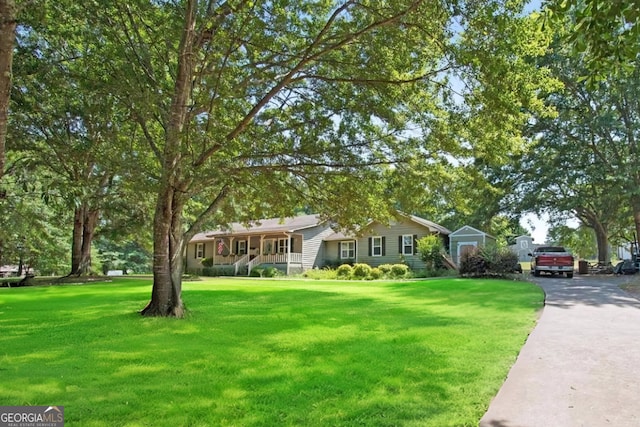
(581, 364)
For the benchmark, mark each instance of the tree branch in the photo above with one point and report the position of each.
(215, 204)
(307, 57)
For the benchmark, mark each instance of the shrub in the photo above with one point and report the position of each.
(334, 264)
(399, 270)
(320, 274)
(490, 260)
(344, 271)
(376, 273)
(256, 272)
(506, 262)
(270, 272)
(472, 263)
(218, 271)
(207, 262)
(385, 268)
(431, 250)
(361, 271)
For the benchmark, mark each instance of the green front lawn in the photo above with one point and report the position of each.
(265, 352)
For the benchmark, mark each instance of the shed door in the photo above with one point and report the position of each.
(464, 248)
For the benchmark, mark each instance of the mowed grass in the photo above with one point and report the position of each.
(265, 352)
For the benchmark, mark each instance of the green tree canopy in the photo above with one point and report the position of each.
(606, 33)
(254, 107)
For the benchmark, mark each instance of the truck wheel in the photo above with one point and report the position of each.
(536, 273)
(569, 275)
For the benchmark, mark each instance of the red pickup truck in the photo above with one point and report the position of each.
(552, 259)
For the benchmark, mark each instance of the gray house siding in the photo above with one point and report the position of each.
(313, 251)
(466, 238)
(391, 249)
(263, 242)
(192, 261)
(331, 252)
(314, 244)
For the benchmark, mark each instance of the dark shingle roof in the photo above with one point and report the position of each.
(271, 225)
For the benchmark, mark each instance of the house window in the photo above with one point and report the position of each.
(283, 246)
(523, 244)
(242, 247)
(199, 250)
(376, 246)
(407, 244)
(347, 250)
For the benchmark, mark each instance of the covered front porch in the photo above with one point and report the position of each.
(242, 253)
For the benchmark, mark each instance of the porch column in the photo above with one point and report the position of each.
(261, 248)
(288, 252)
(355, 244)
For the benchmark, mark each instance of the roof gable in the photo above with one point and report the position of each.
(430, 225)
(524, 236)
(468, 230)
(270, 225)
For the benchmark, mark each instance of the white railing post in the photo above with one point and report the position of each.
(257, 260)
(240, 263)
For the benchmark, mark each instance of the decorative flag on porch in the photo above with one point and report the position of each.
(220, 246)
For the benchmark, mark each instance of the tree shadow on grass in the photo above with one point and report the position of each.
(291, 357)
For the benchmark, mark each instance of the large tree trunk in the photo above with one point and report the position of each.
(168, 235)
(84, 227)
(168, 241)
(602, 240)
(635, 205)
(601, 228)
(76, 243)
(7, 40)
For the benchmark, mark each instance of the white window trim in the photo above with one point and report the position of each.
(350, 248)
(199, 250)
(283, 245)
(410, 236)
(374, 246)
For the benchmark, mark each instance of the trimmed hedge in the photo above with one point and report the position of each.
(344, 271)
(361, 271)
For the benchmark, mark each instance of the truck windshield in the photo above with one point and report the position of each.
(552, 249)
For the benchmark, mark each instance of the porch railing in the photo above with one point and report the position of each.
(291, 258)
(240, 263)
(227, 259)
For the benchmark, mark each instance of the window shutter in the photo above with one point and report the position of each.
(235, 251)
(383, 245)
(370, 239)
(415, 244)
(195, 250)
(400, 248)
(339, 250)
(291, 245)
